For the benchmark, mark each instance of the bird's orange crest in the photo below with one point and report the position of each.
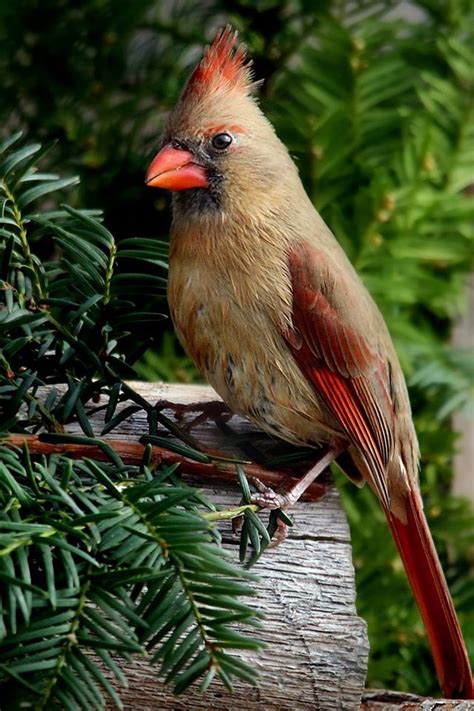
(224, 64)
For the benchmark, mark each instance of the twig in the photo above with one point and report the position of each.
(132, 453)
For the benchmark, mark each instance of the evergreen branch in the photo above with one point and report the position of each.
(152, 573)
(71, 640)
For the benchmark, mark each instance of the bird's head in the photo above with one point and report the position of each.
(218, 148)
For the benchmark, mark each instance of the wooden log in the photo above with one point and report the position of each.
(317, 650)
(317, 647)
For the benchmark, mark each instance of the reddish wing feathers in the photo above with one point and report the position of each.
(352, 380)
(223, 62)
(338, 346)
(347, 374)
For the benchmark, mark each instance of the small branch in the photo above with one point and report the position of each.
(69, 641)
(132, 453)
(110, 272)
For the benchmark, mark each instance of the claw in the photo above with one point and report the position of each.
(281, 533)
(267, 498)
(213, 410)
(237, 523)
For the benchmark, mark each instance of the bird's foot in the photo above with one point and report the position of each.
(181, 426)
(278, 531)
(268, 498)
(214, 410)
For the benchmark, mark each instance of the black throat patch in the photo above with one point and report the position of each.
(195, 201)
(200, 200)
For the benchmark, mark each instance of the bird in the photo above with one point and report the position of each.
(265, 301)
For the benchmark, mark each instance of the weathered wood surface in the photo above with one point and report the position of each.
(317, 647)
(377, 700)
(316, 658)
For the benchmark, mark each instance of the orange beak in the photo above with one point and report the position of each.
(174, 169)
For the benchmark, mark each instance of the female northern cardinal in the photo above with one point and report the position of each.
(266, 302)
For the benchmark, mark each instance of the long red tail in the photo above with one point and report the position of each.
(428, 583)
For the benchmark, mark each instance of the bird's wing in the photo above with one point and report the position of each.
(334, 341)
(345, 368)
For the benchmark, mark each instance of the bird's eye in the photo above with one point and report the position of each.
(222, 141)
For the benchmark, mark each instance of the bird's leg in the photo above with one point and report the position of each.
(267, 498)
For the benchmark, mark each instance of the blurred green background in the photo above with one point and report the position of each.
(375, 101)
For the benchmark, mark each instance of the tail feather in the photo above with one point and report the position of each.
(415, 545)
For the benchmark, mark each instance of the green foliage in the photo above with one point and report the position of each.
(66, 320)
(392, 188)
(101, 559)
(168, 363)
(99, 76)
(378, 111)
(98, 561)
